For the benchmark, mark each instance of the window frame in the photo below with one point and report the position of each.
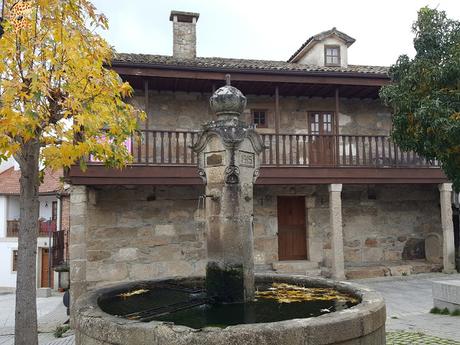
(339, 56)
(321, 113)
(14, 265)
(265, 111)
(54, 210)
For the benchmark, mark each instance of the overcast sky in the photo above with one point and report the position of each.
(271, 30)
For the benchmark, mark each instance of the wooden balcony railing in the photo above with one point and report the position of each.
(337, 151)
(157, 147)
(160, 147)
(12, 229)
(60, 248)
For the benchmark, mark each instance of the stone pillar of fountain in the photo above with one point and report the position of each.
(228, 160)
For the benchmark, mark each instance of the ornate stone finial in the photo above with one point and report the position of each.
(227, 101)
(227, 80)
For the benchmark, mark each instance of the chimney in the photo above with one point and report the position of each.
(184, 32)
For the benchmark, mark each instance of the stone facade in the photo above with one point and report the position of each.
(65, 212)
(186, 111)
(153, 232)
(378, 225)
(145, 233)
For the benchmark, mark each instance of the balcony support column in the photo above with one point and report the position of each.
(448, 245)
(335, 214)
(79, 200)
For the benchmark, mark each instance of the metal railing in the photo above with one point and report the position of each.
(12, 228)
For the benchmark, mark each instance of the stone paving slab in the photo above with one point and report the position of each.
(407, 338)
(409, 300)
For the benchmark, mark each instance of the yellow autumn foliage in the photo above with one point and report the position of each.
(287, 293)
(56, 85)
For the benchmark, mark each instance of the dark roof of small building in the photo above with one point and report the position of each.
(246, 65)
(9, 182)
(322, 35)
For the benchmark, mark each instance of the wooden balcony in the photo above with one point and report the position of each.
(166, 157)
(12, 229)
(60, 250)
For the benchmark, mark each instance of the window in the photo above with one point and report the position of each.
(54, 210)
(15, 260)
(332, 55)
(259, 118)
(321, 123)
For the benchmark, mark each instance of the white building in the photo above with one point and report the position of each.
(51, 220)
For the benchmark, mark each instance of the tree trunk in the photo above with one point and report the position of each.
(26, 283)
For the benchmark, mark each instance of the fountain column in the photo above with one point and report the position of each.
(228, 160)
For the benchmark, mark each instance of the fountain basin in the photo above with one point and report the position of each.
(363, 324)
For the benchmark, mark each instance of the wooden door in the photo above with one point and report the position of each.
(322, 143)
(292, 229)
(45, 270)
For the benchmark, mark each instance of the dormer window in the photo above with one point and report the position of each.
(331, 55)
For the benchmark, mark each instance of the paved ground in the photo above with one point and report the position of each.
(50, 312)
(411, 338)
(408, 303)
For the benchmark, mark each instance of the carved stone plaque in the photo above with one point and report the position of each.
(247, 159)
(214, 159)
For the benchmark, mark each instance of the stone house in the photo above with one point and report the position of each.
(335, 195)
(54, 219)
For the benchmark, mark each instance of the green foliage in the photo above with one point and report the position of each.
(445, 311)
(425, 93)
(435, 310)
(60, 330)
(456, 312)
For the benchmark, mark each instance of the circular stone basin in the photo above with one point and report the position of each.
(185, 303)
(288, 310)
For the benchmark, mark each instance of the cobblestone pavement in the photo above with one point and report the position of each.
(409, 300)
(409, 338)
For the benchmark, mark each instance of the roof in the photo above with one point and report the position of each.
(9, 182)
(184, 16)
(322, 35)
(240, 65)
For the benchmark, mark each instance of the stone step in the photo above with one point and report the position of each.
(391, 269)
(297, 267)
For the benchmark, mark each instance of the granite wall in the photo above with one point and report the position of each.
(151, 232)
(144, 233)
(380, 223)
(185, 111)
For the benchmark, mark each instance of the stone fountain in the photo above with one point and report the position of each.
(223, 307)
(228, 159)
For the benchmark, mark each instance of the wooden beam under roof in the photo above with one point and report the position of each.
(307, 78)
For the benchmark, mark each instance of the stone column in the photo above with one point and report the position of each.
(228, 151)
(335, 212)
(448, 246)
(77, 244)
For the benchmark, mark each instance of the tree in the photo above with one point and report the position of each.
(58, 104)
(425, 93)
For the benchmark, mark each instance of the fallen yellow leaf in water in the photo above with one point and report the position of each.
(133, 293)
(287, 293)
